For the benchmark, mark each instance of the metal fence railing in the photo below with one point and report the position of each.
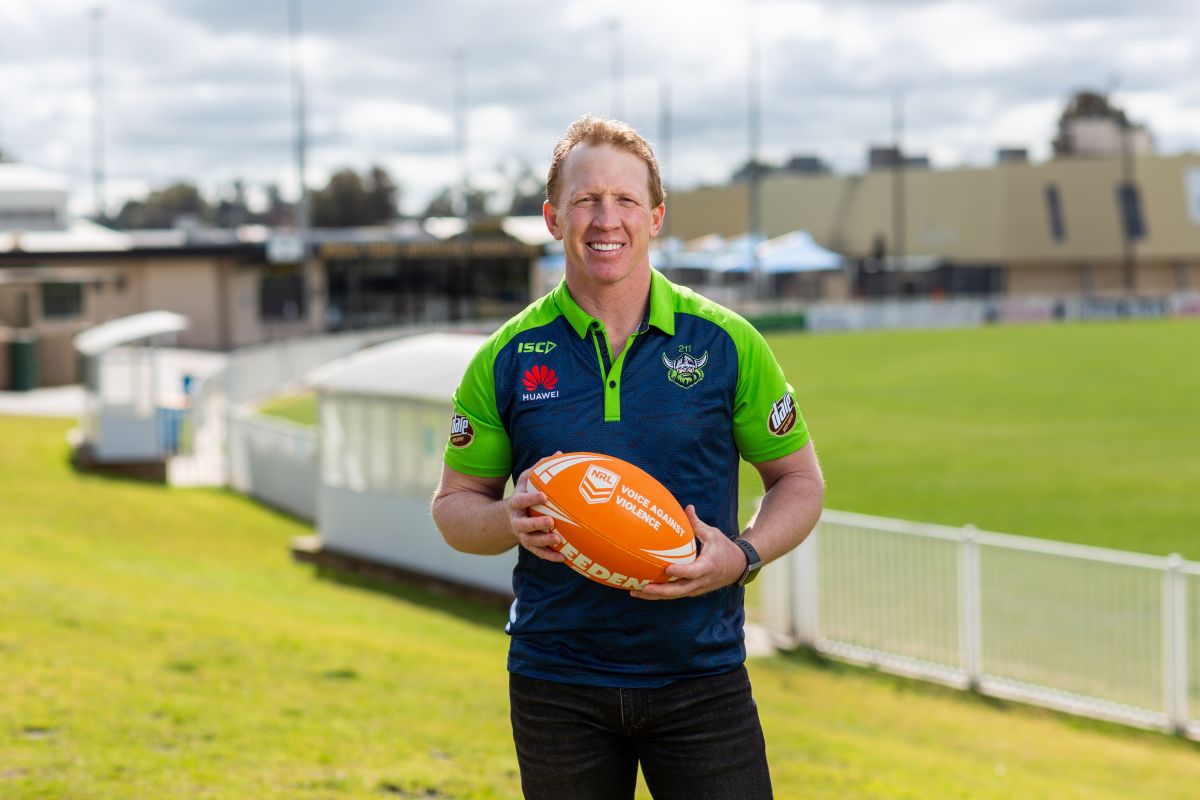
(1092, 631)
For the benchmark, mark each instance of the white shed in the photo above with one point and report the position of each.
(137, 390)
(384, 419)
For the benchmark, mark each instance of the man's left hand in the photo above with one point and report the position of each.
(720, 563)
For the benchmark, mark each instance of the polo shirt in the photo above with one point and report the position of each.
(694, 388)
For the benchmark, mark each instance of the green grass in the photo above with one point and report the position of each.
(1084, 433)
(300, 408)
(158, 642)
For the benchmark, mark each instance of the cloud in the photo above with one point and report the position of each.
(201, 89)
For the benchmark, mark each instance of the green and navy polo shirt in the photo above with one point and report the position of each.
(694, 387)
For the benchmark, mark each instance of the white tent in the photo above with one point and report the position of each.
(792, 252)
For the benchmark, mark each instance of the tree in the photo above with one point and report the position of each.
(1085, 105)
(163, 208)
(348, 201)
(528, 190)
(446, 203)
(231, 211)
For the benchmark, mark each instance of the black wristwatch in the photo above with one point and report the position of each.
(753, 561)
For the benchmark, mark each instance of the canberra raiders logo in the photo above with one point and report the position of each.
(685, 370)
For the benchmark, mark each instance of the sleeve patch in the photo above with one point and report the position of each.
(461, 431)
(783, 415)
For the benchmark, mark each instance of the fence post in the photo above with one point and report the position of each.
(804, 577)
(970, 607)
(1175, 651)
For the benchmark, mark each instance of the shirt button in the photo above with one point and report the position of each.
(612, 384)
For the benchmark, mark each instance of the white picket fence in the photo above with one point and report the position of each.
(1097, 632)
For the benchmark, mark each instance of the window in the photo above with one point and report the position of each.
(281, 293)
(1054, 212)
(1130, 205)
(62, 300)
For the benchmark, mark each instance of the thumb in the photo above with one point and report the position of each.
(703, 531)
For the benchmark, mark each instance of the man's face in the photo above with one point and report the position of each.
(603, 214)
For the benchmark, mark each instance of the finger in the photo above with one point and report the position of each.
(523, 501)
(547, 554)
(537, 539)
(526, 525)
(697, 569)
(667, 591)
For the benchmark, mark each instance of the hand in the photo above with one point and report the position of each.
(720, 563)
(536, 534)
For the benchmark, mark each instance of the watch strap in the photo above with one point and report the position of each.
(753, 561)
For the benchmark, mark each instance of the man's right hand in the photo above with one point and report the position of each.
(535, 533)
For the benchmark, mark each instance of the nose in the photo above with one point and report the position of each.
(605, 216)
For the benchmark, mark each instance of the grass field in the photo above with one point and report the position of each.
(158, 643)
(1087, 433)
(1084, 432)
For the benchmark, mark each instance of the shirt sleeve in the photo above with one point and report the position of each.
(767, 423)
(478, 443)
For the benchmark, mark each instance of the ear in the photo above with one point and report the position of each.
(656, 219)
(550, 214)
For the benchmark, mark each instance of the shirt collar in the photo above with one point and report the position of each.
(662, 306)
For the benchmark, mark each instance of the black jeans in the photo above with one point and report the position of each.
(697, 739)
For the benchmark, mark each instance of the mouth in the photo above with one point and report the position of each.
(604, 247)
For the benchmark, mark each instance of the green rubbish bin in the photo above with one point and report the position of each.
(23, 365)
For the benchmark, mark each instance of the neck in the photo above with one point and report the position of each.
(621, 307)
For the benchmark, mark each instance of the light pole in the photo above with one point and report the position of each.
(664, 160)
(459, 59)
(754, 142)
(1127, 196)
(97, 85)
(303, 216)
(898, 196)
(614, 27)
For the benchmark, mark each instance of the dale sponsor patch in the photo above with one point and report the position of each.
(783, 415)
(461, 432)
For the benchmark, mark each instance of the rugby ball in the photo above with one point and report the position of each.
(621, 527)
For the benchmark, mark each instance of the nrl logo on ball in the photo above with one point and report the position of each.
(598, 485)
(685, 371)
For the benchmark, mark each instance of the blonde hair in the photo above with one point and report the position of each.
(596, 131)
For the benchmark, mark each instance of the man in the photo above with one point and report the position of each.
(603, 679)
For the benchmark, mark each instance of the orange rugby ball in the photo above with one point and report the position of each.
(620, 526)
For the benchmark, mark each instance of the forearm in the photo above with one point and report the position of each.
(787, 515)
(474, 523)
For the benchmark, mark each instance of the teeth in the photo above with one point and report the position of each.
(604, 247)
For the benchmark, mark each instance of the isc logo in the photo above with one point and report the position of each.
(598, 485)
(536, 347)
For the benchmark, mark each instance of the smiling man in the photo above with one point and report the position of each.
(618, 360)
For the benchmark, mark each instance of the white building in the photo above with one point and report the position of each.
(32, 199)
(384, 420)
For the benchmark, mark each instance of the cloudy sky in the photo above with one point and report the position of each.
(199, 89)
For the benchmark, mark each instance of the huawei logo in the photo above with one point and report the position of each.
(539, 377)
